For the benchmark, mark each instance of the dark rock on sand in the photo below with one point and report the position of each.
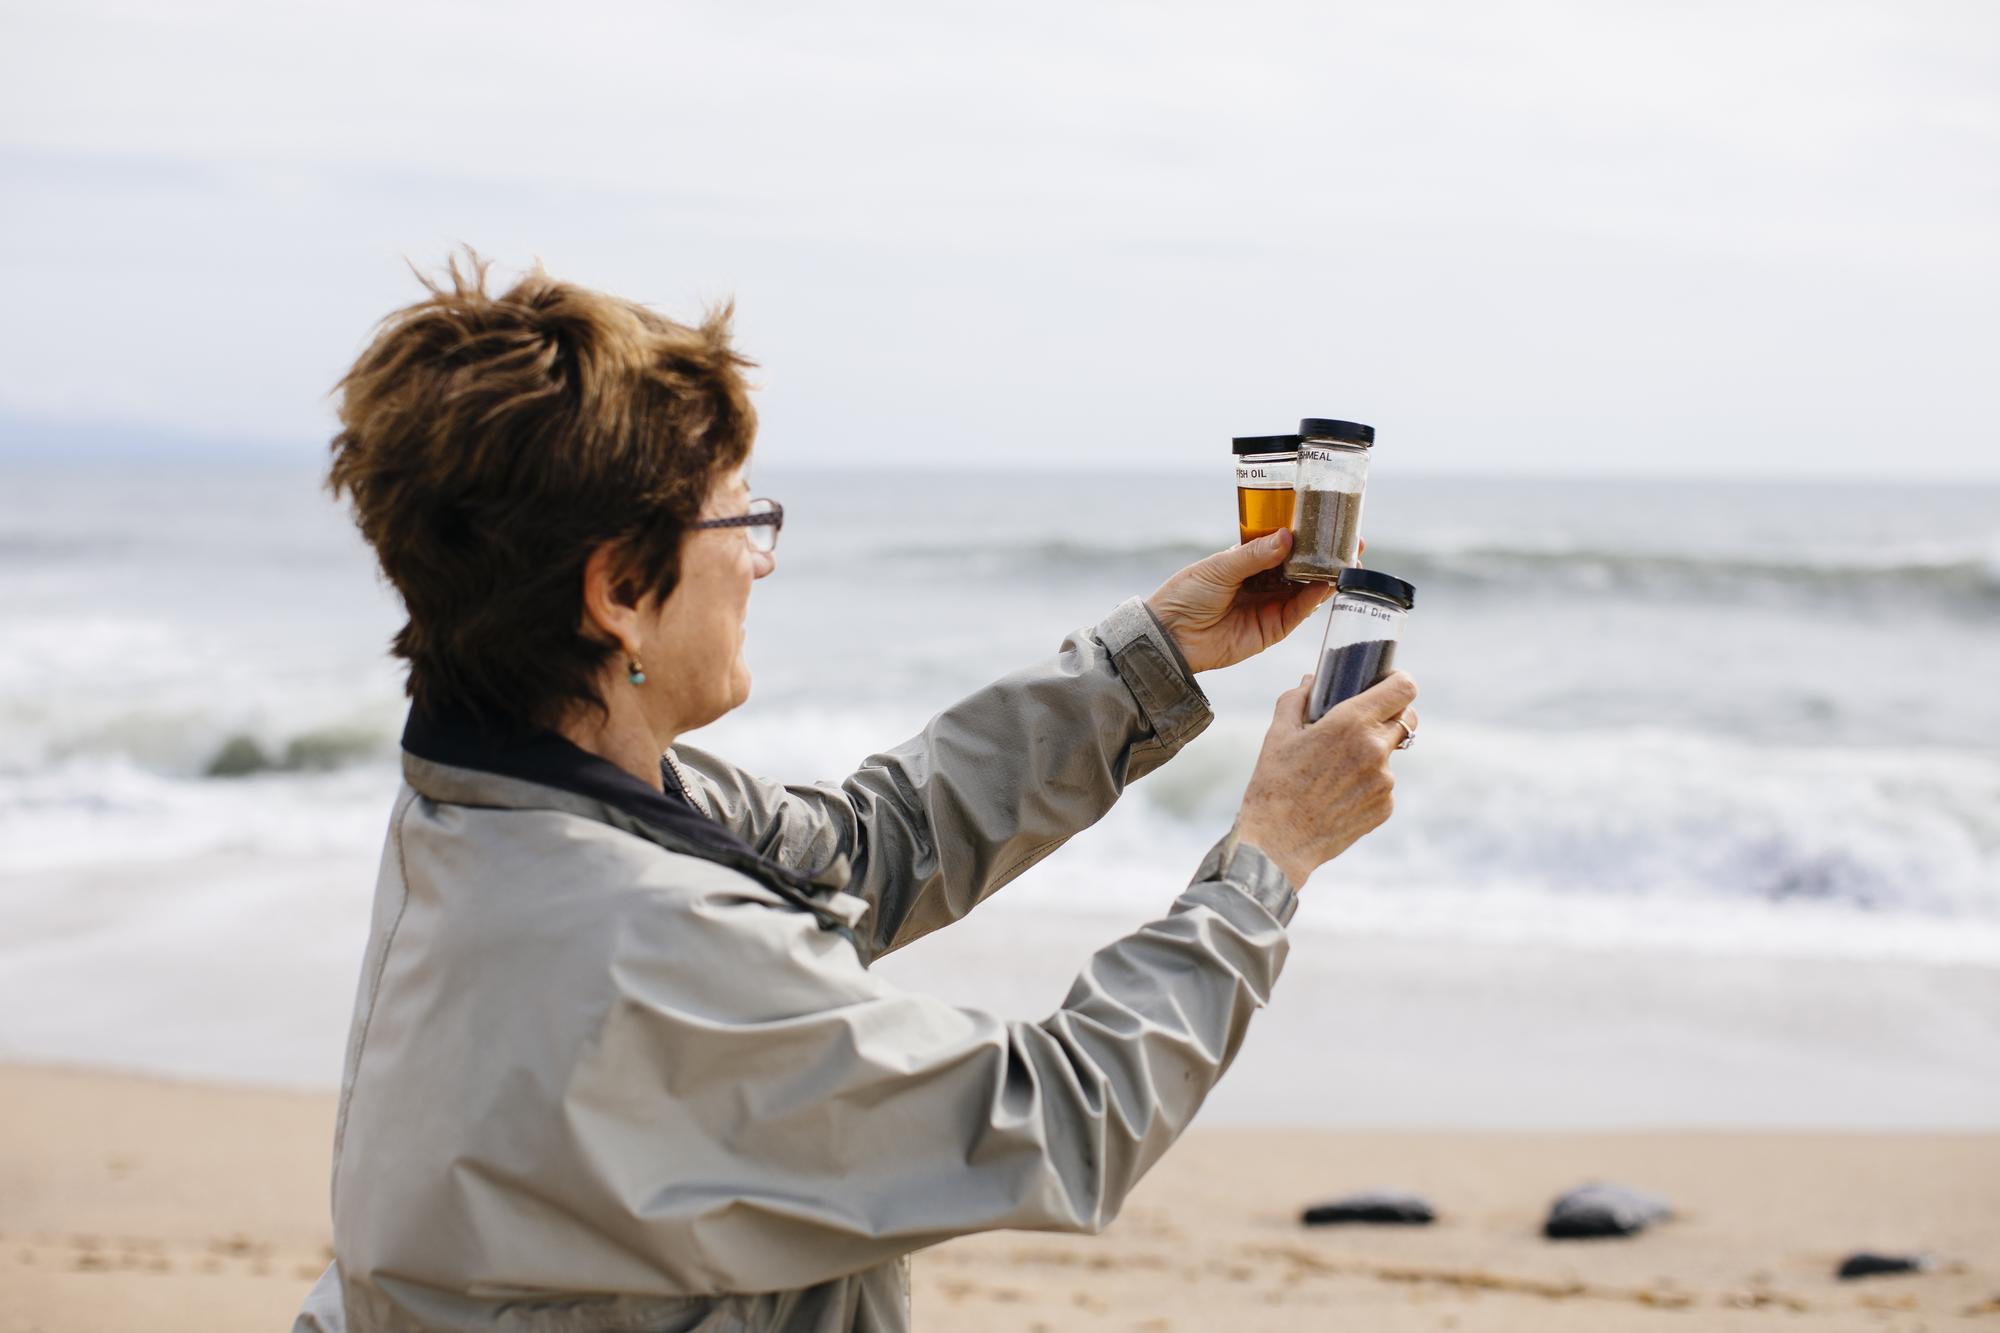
(1379, 1207)
(1603, 1210)
(1865, 1264)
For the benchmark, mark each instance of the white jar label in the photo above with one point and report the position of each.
(1328, 453)
(1355, 606)
(1267, 476)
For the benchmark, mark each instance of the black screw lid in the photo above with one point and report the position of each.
(1325, 428)
(1264, 444)
(1377, 584)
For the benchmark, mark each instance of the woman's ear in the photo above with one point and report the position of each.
(611, 598)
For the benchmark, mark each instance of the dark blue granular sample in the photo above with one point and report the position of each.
(1346, 672)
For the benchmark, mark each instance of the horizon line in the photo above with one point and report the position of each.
(84, 442)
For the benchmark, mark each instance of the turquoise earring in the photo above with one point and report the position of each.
(636, 673)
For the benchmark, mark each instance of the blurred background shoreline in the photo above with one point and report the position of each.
(1704, 829)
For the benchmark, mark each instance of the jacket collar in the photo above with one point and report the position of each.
(450, 756)
(456, 739)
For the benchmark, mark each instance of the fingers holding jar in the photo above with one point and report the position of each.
(1407, 721)
(1391, 703)
(1319, 787)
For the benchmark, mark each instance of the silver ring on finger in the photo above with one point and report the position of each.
(1409, 732)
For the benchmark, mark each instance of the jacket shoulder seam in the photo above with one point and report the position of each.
(367, 1018)
(389, 935)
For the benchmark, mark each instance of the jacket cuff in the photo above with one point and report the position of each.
(1153, 669)
(1245, 867)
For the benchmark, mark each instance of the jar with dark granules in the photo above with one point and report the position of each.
(1364, 623)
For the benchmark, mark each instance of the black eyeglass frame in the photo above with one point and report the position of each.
(773, 518)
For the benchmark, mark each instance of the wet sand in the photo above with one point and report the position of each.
(130, 1202)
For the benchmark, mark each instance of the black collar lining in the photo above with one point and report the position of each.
(458, 740)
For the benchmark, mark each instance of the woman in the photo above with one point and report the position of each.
(618, 1060)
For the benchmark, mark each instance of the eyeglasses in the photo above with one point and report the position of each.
(763, 519)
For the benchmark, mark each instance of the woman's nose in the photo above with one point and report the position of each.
(766, 562)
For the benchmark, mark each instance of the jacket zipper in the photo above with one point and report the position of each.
(680, 780)
(800, 897)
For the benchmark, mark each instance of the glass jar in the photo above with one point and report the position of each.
(1326, 517)
(1267, 470)
(1364, 623)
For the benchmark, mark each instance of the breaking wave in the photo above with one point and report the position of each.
(1961, 577)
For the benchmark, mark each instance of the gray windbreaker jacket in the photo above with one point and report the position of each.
(597, 1081)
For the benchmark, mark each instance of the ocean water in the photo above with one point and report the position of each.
(1721, 719)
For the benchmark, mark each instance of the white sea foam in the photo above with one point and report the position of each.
(1751, 727)
(1593, 754)
(1599, 837)
(105, 812)
(169, 697)
(1534, 830)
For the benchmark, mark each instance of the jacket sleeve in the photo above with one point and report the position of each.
(776, 1114)
(323, 1311)
(989, 787)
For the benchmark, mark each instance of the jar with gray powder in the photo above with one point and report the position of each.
(1326, 514)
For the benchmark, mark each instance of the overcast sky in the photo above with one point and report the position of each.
(1692, 238)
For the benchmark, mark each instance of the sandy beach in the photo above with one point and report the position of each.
(130, 1202)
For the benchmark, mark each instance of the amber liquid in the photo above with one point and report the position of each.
(1261, 513)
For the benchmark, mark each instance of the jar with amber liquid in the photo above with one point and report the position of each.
(1267, 473)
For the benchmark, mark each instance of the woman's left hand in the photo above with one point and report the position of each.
(1216, 621)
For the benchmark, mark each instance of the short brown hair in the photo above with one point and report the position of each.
(491, 443)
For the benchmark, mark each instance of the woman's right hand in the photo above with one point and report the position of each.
(1319, 786)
